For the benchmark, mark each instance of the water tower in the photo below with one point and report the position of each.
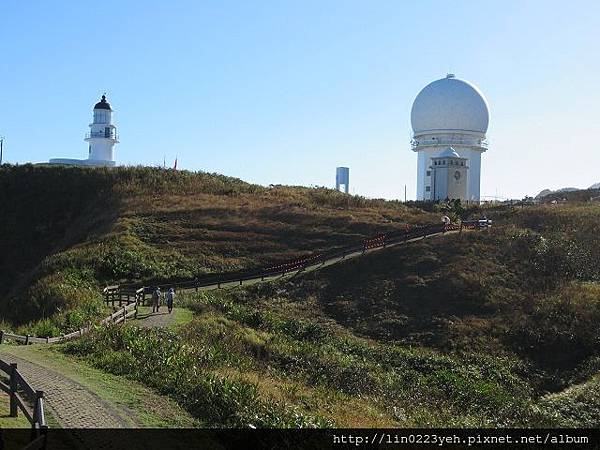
(342, 178)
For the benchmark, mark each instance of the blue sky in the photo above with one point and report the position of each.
(285, 91)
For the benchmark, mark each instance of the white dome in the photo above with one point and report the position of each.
(451, 105)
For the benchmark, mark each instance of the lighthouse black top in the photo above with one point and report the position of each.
(103, 104)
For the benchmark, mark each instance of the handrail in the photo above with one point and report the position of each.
(298, 265)
(35, 415)
(416, 143)
(123, 313)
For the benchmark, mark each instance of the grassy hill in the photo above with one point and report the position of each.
(68, 231)
(496, 328)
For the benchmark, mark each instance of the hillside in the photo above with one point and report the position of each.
(67, 231)
(497, 328)
(492, 328)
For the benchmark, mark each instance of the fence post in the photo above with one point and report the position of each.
(26, 339)
(240, 282)
(1, 336)
(136, 311)
(13, 389)
(36, 407)
(47, 339)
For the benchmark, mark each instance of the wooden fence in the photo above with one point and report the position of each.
(123, 293)
(126, 312)
(18, 387)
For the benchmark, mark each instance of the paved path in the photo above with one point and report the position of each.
(148, 319)
(70, 404)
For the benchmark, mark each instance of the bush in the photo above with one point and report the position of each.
(160, 359)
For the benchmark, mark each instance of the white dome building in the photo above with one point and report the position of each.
(449, 113)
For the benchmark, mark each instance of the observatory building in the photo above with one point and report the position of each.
(449, 113)
(101, 139)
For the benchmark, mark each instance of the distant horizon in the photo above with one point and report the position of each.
(285, 93)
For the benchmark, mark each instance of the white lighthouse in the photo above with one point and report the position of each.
(103, 135)
(101, 139)
(449, 113)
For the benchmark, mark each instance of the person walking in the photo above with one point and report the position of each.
(447, 222)
(156, 295)
(170, 298)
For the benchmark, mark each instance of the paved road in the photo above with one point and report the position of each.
(70, 404)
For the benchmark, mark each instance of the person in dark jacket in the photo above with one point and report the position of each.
(156, 297)
(170, 299)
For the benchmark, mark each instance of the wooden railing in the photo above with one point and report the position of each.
(126, 312)
(16, 386)
(122, 293)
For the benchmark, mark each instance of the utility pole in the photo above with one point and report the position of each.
(1, 148)
(404, 193)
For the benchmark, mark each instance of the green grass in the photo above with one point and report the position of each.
(236, 365)
(178, 317)
(576, 406)
(10, 422)
(145, 407)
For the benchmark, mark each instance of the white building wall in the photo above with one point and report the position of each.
(474, 173)
(102, 137)
(421, 164)
(101, 150)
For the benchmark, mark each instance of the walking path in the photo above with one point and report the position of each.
(79, 396)
(71, 404)
(148, 319)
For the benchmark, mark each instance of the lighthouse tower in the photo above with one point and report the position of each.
(102, 136)
(101, 140)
